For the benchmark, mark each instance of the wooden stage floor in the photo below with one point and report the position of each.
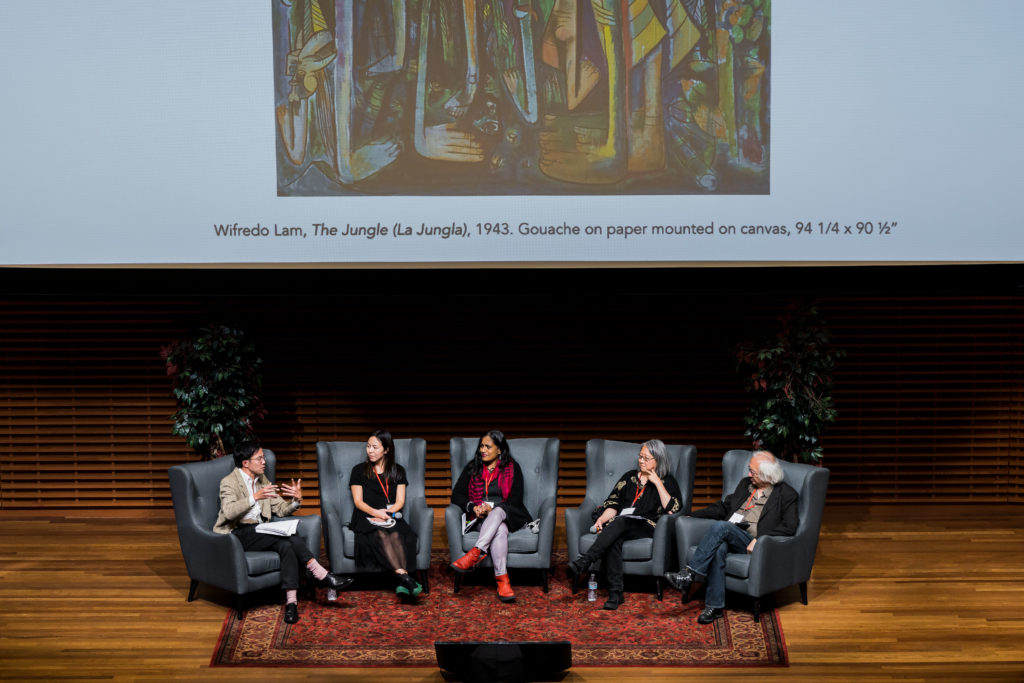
(899, 593)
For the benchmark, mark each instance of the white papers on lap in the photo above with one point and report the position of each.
(284, 527)
(383, 524)
(467, 525)
(630, 516)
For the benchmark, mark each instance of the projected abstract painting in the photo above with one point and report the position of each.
(522, 97)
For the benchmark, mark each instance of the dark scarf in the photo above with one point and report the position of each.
(503, 475)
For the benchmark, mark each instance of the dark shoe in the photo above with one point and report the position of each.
(709, 615)
(681, 580)
(409, 584)
(577, 568)
(693, 591)
(687, 581)
(468, 561)
(615, 598)
(405, 596)
(336, 582)
(291, 613)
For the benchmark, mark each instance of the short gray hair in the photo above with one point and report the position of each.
(656, 447)
(770, 469)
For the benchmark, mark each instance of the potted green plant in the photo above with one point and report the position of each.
(789, 378)
(214, 372)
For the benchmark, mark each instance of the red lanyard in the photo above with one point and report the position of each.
(750, 504)
(488, 480)
(639, 492)
(383, 487)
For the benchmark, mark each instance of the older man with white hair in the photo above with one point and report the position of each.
(761, 505)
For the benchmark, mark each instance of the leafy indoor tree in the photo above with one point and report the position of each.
(216, 380)
(789, 377)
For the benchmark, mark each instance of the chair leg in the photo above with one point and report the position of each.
(544, 580)
(240, 606)
(757, 610)
(424, 581)
(803, 592)
(194, 586)
(458, 583)
(657, 587)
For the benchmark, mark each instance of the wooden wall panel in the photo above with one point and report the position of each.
(930, 395)
(84, 404)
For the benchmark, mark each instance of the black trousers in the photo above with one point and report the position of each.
(292, 549)
(608, 547)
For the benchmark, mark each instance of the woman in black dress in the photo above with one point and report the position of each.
(384, 542)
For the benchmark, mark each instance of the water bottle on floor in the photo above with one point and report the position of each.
(592, 588)
(332, 595)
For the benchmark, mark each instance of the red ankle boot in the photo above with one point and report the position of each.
(505, 593)
(468, 561)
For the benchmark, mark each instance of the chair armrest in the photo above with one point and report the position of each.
(215, 559)
(310, 528)
(420, 517)
(334, 541)
(573, 524)
(453, 528)
(689, 531)
(577, 523)
(417, 513)
(777, 563)
(664, 540)
(548, 511)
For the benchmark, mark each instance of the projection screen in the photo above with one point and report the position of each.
(448, 132)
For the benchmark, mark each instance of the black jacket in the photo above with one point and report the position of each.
(516, 514)
(649, 504)
(778, 518)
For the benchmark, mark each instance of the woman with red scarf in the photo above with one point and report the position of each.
(490, 489)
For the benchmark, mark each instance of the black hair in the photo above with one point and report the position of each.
(390, 466)
(504, 452)
(245, 452)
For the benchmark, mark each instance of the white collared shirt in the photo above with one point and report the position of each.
(255, 513)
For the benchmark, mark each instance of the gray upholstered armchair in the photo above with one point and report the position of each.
(538, 459)
(777, 561)
(334, 461)
(218, 559)
(606, 462)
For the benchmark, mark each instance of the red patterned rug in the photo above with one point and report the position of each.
(371, 628)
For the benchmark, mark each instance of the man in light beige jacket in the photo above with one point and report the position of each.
(248, 498)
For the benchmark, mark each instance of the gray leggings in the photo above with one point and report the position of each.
(494, 539)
